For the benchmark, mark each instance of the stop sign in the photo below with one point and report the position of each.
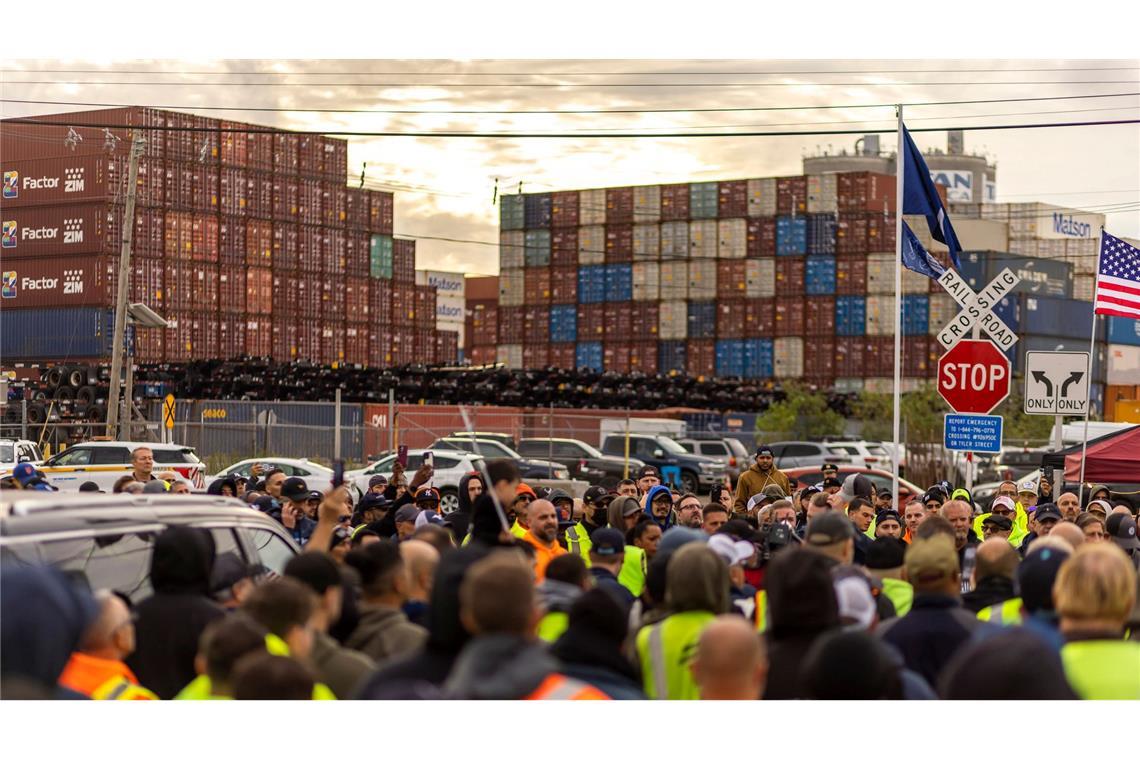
(973, 377)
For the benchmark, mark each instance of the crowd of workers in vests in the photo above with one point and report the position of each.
(765, 591)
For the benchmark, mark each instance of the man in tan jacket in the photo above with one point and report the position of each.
(753, 480)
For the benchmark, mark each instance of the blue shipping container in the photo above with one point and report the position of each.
(619, 282)
(563, 324)
(730, 358)
(702, 319)
(703, 200)
(821, 234)
(537, 248)
(588, 356)
(850, 315)
(537, 211)
(916, 315)
(56, 333)
(1044, 277)
(592, 284)
(1123, 331)
(819, 276)
(791, 236)
(671, 356)
(1061, 317)
(1031, 342)
(742, 427)
(759, 356)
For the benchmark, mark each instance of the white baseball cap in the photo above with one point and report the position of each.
(1027, 486)
(731, 551)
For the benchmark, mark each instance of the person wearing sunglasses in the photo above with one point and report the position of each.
(524, 495)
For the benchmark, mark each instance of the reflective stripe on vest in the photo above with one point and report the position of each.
(1009, 612)
(657, 662)
(575, 538)
(112, 689)
(762, 621)
(557, 686)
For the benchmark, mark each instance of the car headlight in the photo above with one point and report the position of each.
(708, 466)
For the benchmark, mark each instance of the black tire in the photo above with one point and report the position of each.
(690, 483)
(37, 414)
(64, 393)
(54, 377)
(86, 395)
(77, 377)
(96, 413)
(40, 395)
(448, 500)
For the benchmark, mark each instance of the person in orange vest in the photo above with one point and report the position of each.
(542, 534)
(498, 605)
(97, 668)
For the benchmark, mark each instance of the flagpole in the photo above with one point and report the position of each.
(900, 152)
(1092, 364)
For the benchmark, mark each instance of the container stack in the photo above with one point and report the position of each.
(246, 240)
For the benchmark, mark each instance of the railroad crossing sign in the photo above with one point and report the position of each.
(168, 411)
(973, 377)
(1056, 382)
(978, 307)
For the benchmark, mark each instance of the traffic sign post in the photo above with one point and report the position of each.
(1057, 383)
(168, 416)
(978, 433)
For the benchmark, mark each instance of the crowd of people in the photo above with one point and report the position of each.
(768, 591)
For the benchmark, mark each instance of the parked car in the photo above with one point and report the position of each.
(1015, 459)
(316, 476)
(729, 451)
(862, 453)
(449, 469)
(105, 540)
(810, 476)
(503, 438)
(805, 454)
(582, 460)
(691, 472)
(530, 468)
(13, 451)
(104, 462)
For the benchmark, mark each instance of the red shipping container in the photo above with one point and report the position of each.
(700, 358)
(308, 303)
(789, 277)
(881, 233)
(819, 316)
(619, 241)
(63, 281)
(789, 317)
(866, 191)
(849, 357)
(536, 356)
(478, 356)
(286, 198)
(259, 195)
(425, 306)
(310, 341)
(819, 360)
(733, 199)
(791, 193)
(564, 210)
(618, 320)
(309, 201)
(879, 356)
(37, 141)
(615, 357)
(403, 349)
(309, 249)
(356, 252)
(332, 252)
(332, 343)
(380, 213)
(259, 290)
(760, 317)
(333, 205)
(380, 301)
(851, 275)
(404, 305)
(258, 243)
(335, 159)
(851, 233)
(564, 246)
(404, 260)
(563, 284)
(380, 346)
(286, 246)
(538, 284)
(231, 337)
(147, 281)
(484, 324)
(356, 340)
(206, 188)
(536, 326)
(562, 355)
(259, 150)
(591, 322)
(284, 345)
(675, 202)
(258, 337)
(234, 188)
(332, 300)
(643, 357)
(644, 319)
(731, 276)
(178, 185)
(732, 319)
(446, 347)
(619, 206)
(918, 356)
(150, 346)
(310, 156)
(356, 208)
(61, 230)
(761, 239)
(232, 287)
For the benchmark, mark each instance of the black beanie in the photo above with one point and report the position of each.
(984, 669)
(1035, 577)
(850, 665)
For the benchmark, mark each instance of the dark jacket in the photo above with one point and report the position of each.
(670, 519)
(215, 488)
(339, 668)
(608, 582)
(170, 622)
(384, 633)
(862, 544)
(499, 667)
(485, 524)
(590, 649)
(930, 634)
(801, 608)
(460, 520)
(994, 589)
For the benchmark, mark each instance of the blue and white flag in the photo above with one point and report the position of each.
(920, 196)
(918, 259)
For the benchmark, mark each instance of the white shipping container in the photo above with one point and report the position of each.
(762, 197)
(1083, 285)
(998, 211)
(880, 315)
(1046, 221)
(702, 279)
(789, 357)
(591, 207)
(646, 281)
(512, 290)
(887, 385)
(881, 276)
(512, 244)
(1023, 247)
(823, 193)
(702, 239)
(920, 229)
(760, 278)
(674, 280)
(673, 320)
(511, 355)
(647, 204)
(943, 308)
(675, 240)
(646, 242)
(965, 211)
(1050, 249)
(973, 234)
(848, 384)
(733, 238)
(1123, 365)
(591, 245)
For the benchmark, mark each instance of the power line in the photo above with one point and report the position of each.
(546, 85)
(573, 73)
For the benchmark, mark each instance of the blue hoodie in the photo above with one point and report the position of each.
(671, 518)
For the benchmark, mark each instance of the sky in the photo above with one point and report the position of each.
(444, 186)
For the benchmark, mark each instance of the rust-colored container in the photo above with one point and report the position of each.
(307, 302)
(356, 252)
(446, 347)
(789, 277)
(733, 199)
(59, 181)
(425, 306)
(879, 356)
(591, 322)
(619, 240)
(404, 306)
(619, 206)
(286, 195)
(789, 317)
(919, 357)
(563, 284)
(332, 301)
(380, 301)
(332, 252)
(233, 145)
(536, 356)
(380, 212)
(819, 316)
(56, 281)
(881, 233)
(259, 150)
(482, 324)
(380, 353)
(284, 345)
(58, 230)
(731, 278)
(309, 242)
(356, 209)
(258, 243)
(759, 317)
(761, 237)
(335, 164)
(536, 326)
(615, 356)
(618, 320)
(231, 336)
(564, 246)
(204, 237)
(480, 355)
(59, 137)
(310, 156)
(232, 286)
(644, 319)
(643, 357)
(310, 340)
(403, 348)
(259, 195)
(259, 290)
(148, 239)
(482, 288)
(179, 185)
(791, 195)
(819, 360)
(866, 191)
(333, 200)
(732, 318)
(150, 346)
(675, 202)
(562, 355)
(700, 358)
(356, 340)
(851, 275)
(564, 209)
(258, 336)
(192, 335)
(206, 189)
(538, 284)
(404, 260)
(332, 343)
(851, 233)
(309, 201)
(850, 355)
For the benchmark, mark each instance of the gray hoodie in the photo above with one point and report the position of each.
(499, 666)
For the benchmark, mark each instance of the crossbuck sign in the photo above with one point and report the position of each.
(978, 307)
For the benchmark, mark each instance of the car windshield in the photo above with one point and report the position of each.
(7, 452)
(736, 447)
(175, 456)
(878, 451)
(484, 446)
(670, 445)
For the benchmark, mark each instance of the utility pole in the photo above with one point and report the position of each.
(121, 302)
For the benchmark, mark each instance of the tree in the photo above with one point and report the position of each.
(801, 415)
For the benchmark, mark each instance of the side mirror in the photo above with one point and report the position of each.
(658, 454)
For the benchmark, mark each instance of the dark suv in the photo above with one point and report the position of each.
(582, 460)
(105, 541)
(690, 472)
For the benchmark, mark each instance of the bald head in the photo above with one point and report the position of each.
(542, 518)
(421, 559)
(111, 635)
(996, 558)
(1069, 533)
(730, 662)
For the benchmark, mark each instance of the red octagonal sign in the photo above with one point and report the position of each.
(973, 377)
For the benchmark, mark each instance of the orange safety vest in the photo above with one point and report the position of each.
(558, 686)
(543, 555)
(102, 679)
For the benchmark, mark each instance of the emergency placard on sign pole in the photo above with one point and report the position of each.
(168, 412)
(979, 433)
(1056, 382)
(973, 377)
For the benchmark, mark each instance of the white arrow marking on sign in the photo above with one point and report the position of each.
(1056, 382)
(978, 307)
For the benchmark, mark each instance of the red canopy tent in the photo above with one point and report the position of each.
(1112, 458)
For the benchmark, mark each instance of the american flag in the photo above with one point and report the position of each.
(1118, 278)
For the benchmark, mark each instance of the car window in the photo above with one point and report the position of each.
(73, 457)
(878, 451)
(301, 472)
(172, 456)
(273, 551)
(841, 450)
(28, 450)
(7, 452)
(441, 463)
(569, 450)
(612, 446)
(800, 450)
(111, 455)
(689, 446)
(669, 446)
(120, 562)
(714, 449)
(531, 448)
(736, 447)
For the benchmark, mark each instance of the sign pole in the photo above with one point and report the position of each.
(1059, 475)
(1092, 364)
(900, 205)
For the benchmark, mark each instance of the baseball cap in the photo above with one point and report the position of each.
(763, 451)
(607, 542)
(832, 483)
(24, 472)
(856, 605)
(934, 494)
(826, 468)
(295, 489)
(377, 480)
(963, 495)
(372, 501)
(316, 496)
(1047, 511)
(1003, 501)
(407, 513)
(628, 505)
(1036, 575)
(648, 471)
(594, 495)
(427, 493)
(1122, 528)
(677, 537)
(1027, 486)
(930, 559)
(427, 517)
(886, 553)
(810, 491)
(265, 503)
(525, 489)
(856, 486)
(829, 528)
(774, 492)
(733, 552)
(1001, 522)
(90, 486)
(886, 515)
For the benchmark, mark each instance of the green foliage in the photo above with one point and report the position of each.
(801, 415)
(1023, 429)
